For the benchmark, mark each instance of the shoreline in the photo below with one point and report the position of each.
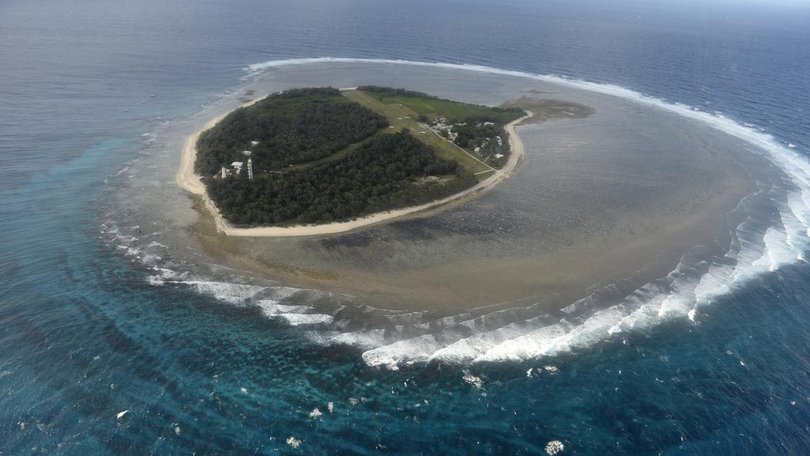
(615, 199)
(188, 180)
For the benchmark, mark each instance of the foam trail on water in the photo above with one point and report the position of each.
(293, 315)
(296, 319)
(233, 293)
(758, 247)
(271, 307)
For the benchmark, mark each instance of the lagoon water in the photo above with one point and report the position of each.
(206, 358)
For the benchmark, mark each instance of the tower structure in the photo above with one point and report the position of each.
(250, 169)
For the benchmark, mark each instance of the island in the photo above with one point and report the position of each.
(323, 160)
(608, 196)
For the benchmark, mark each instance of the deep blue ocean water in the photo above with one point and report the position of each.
(85, 337)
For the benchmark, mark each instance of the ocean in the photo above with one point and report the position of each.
(103, 355)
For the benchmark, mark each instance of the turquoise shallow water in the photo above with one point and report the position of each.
(85, 336)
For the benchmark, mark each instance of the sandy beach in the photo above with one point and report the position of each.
(191, 182)
(607, 193)
(617, 196)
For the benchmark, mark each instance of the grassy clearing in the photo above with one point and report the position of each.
(434, 107)
(401, 116)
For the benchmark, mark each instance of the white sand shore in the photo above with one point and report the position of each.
(191, 182)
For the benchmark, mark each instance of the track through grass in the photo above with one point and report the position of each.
(401, 116)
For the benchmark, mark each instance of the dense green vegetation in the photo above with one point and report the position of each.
(292, 127)
(321, 155)
(388, 171)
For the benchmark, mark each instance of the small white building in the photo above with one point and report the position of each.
(246, 153)
(254, 143)
(237, 167)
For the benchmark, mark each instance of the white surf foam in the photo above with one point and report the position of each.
(296, 319)
(415, 349)
(233, 293)
(163, 275)
(293, 315)
(754, 254)
(271, 307)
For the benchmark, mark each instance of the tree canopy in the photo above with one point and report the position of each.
(319, 156)
(291, 127)
(387, 172)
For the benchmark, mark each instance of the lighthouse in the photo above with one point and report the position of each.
(250, 169)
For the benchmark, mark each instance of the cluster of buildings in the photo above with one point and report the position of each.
(444, 128)
(236, 167)
(441, 126)
(485, 143)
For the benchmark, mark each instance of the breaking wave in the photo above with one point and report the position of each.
(773, 232)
